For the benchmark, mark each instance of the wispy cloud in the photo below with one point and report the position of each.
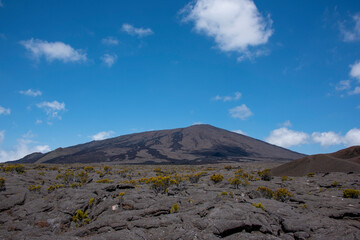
(239, 132)
(133, 31)
(242, 112)
(24, 147)
(31, 93)
(110, 41)
(53, 51)
(235, 25)
(351, 33)
(4, 111)
(102, 135)
(355, 91)
(52, 108)
(343, 85)
(109, 59)
(355, 70)
(237, 96)
(2, 136)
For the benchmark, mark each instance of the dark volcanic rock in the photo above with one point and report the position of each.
(196, 144)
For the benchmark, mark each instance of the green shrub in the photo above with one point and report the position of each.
(259, 205)
(89, 169)
(19, 168)
(105, 180)
(351, 193)
(80, 218)
(235, 182)
(2, 184)
(282, 194)
(75, 185)
(34, 188)
(216, 178)
(175, 208)
(311, 174)
(265, 175)
(334, 184)
(107, 169)
(224, 193)
(265, 192)
(91, 201)
(228, 167)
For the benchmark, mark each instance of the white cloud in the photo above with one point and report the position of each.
(237, 96)
(242, 112)
(53, 51)
(110, 41)
(353, 34)
(24, 147)
(327, 138)
(355, 91)
(197, 123)
(52, 108)
(236, 25)
(343, 85)
(133, 31)
(285, 137)
(4, 111)
(239, 132)
(102, 135)
(38, 121)
(2, 136)
(355, 70)
(30, 92)
(109, 59)
(352, 137)
(287, 123)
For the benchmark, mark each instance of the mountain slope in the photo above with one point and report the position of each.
(196, 144)
(346, 160)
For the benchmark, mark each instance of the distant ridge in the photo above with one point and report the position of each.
(197, 144)
(345, 160)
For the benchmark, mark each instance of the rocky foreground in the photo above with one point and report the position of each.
(174, 202)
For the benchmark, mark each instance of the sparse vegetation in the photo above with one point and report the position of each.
(105, 180)
(19, 168)
(91, 201)
(259, 205)
(282, 195)
(216, 178)
(235, 182)
(174, 208)
(80, 218)
(265, 192)
(34, 188)
(311, 174)
(2, 184)
(265, 175)
(351, 193)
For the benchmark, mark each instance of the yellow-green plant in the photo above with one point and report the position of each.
(34, 188)
(107, 169)
(80, 218)
(105, 180)
(282, 194)
(259, 205)
(174, 208)
(89, 169)
(91, 201)
(235, 182)
(2, 184)
(265, 175)
(216, 178)
(265, 192)
(334, 184)
(224, 193)
(351, 193)
(311, 174)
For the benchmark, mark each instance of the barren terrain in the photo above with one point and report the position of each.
(174, 202)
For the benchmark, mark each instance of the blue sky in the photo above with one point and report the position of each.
(287, 72)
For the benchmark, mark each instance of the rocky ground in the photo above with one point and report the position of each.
(174, 202)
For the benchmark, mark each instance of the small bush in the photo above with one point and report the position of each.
(80, 218)
(259, 205)
(75, 185)
(121, 195)
(282, 195)
(235, 182)
(105, 180)
(335, 184)
(19, 168)
(89, 169)
(216, 178)
(311, 174)
(34, 188)
(228, 167)
(2, 184)
(351, 193)
(284, 178)
(175, 208)
(107, 169)
(265, 192)
(265, 175)
(91, 201)
(224, 193)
